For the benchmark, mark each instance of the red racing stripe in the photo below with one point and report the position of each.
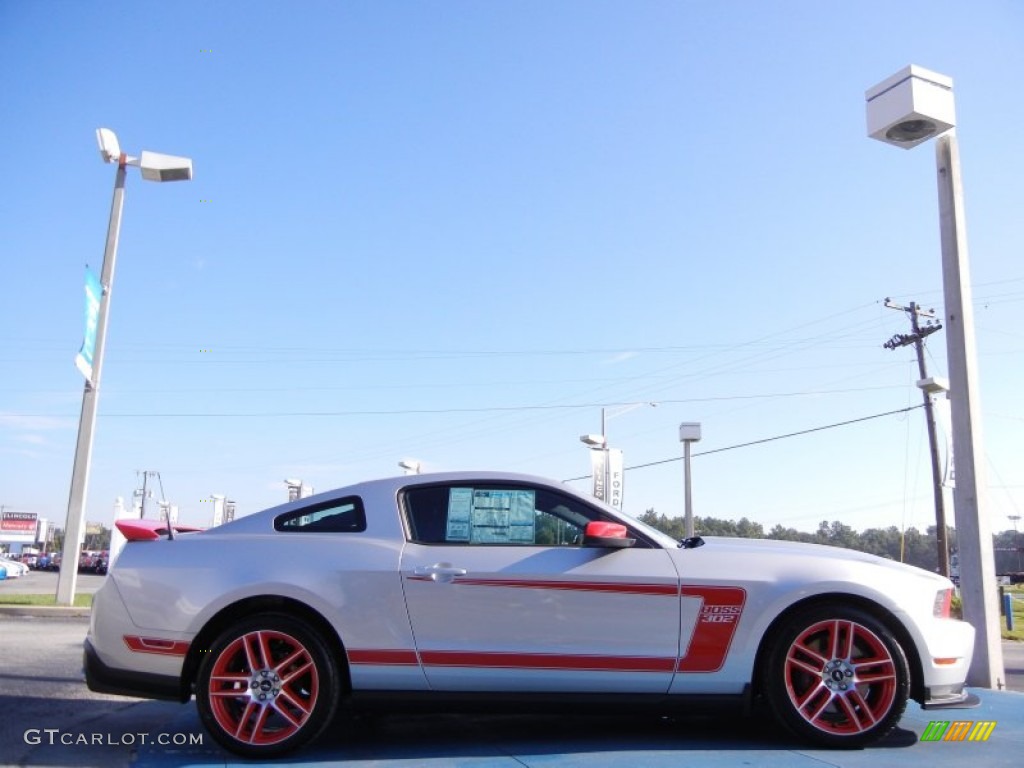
(670, 590)
(501, 660)
(385, 657)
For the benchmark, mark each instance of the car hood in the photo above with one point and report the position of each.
(750, 551)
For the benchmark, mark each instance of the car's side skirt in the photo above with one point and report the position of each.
(515, 702)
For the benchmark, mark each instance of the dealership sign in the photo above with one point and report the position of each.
(18, 527)
(18, 522)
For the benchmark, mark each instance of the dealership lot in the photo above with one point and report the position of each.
(46, 702)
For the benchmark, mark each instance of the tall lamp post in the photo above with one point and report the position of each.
(606, 463)
(154, 167)
(689, 433)
(905, 110)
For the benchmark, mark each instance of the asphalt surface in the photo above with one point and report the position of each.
(52, 719)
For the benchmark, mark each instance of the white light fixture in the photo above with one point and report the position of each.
(110, 148)
(934, 385)
(411, 466)
(910, 107)
(594, 441)
(153, 165)
(689, 431)
(157, 167)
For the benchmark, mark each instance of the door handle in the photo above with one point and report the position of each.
(439, 571)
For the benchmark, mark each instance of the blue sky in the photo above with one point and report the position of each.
(452, 231)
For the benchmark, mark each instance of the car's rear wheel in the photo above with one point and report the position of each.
(267, 686)
(836, 676)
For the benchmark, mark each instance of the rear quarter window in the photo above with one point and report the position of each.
(336, 516)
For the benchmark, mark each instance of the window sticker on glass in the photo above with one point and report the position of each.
(460, 509)
(522, 518)
(488, 516)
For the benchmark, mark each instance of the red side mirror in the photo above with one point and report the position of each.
(602, 534)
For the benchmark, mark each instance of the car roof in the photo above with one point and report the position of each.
(388, 488)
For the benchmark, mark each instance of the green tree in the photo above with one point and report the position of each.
(674, 527)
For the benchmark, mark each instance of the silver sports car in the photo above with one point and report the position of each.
(494, 590)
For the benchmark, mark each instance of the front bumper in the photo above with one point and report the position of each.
(950, 699)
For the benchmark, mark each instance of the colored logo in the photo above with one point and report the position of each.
(958, 730)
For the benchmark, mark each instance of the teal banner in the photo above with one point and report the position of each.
(93, 294)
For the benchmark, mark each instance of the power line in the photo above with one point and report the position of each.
(765, 440)
(482, 409)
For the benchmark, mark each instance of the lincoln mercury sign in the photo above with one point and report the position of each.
(18, 527)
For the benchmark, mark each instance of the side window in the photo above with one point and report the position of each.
(490, 515)
(336, 516)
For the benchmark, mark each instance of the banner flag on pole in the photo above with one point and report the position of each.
(93, 295)
(945, 420)
(616, 477)
(599, 469)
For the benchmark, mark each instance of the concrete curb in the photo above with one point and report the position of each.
(45, 611)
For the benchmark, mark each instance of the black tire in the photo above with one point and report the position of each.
(268, 685)
(836, 676)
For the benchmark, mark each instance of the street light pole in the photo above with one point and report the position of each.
(970, 492)
(67, 579)
(154, 167)
(689, 433)
(607, 469)
(907, 109)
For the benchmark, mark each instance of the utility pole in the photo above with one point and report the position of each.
(917, 337)
(146, 474)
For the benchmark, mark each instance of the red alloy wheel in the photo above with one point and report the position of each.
(263, 687)
(840, 676)
(268, 685)
(835, 675)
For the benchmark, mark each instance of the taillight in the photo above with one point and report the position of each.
(943, 598)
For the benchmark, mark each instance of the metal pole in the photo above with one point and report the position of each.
(974, 530)
(607, 457)
(941, 532)
(688, 497)
(1016, 537)
(73, 526)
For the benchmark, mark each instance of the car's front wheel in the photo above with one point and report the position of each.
(267, 686)
(836, 676)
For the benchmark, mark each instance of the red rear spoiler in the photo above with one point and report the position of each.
(149, 530)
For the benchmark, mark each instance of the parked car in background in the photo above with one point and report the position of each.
(13, 567)
(93, 561)
(492, 590)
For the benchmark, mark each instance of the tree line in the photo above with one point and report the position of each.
(909, 546)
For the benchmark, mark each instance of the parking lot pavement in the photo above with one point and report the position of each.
(45, 583)
(41, 688)
(459, 741)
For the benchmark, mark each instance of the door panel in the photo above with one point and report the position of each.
(528, 618)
